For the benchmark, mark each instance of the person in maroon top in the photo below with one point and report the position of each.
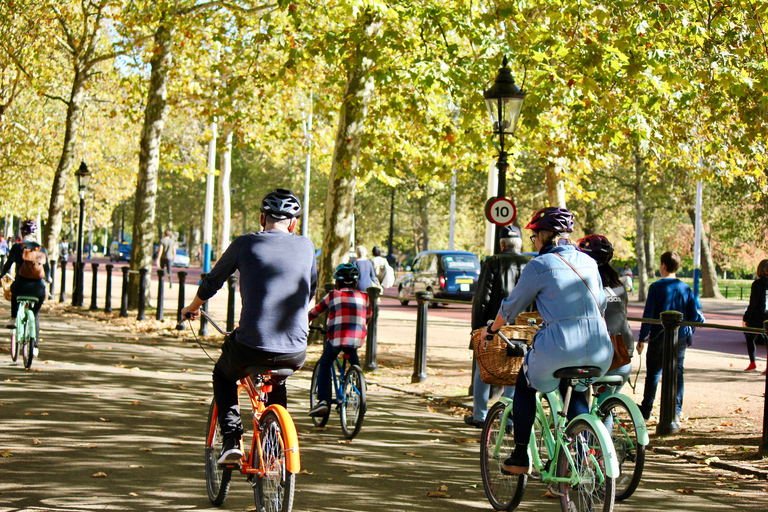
(348, 313)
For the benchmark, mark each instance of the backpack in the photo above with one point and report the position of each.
(33, 263)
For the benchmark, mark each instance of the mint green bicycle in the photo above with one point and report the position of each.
(23, 336)
(576, 458)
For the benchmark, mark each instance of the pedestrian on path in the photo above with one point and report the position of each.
(498, 276)
(365, 266)
(166, 253)
(667, 294)
(384, 273)
(757, 311)
(574, 332)
(3, 250)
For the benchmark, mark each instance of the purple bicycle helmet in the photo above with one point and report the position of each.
(281, 204)
(598, 247)
(552, 218)
(28, 227)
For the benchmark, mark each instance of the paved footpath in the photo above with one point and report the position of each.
(111, 419)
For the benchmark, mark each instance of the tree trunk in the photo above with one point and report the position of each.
(555, 187)
(340, 200)
(424, 221)
(149, 160)
(225, 195)
(649, 245)
(52, 230)
(639, 163)
(709, 286)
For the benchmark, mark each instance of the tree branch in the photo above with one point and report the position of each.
(226, 5)
(57, 98)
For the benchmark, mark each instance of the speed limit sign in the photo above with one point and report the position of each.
(500, 211)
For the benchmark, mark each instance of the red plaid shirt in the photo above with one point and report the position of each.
(348, 314)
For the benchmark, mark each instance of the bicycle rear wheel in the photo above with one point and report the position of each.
(504, 492)
(274, 490)
(319, 421)
(594, 490)
(353, 404)
(14, 346)
(629, 452)
(217, 480)
(26, 339)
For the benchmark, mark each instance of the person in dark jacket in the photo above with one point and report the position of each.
(498, 276)
(23, 286)
(365, 266)
(757, 311)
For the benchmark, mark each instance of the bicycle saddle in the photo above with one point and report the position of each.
(271, 371)
(578, 372)
(28, 298)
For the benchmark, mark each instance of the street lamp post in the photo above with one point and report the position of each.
(83, 177)
(504, 101)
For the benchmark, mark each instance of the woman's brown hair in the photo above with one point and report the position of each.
(762, 269)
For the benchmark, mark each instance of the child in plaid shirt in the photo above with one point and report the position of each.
(348, 314)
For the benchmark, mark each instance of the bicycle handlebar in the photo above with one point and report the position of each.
(510, 343)
(181, 326)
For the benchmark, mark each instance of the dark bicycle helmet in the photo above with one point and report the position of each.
(552, 218)
(347, 273)
(598, 247)
(281, 204)
(28, 227)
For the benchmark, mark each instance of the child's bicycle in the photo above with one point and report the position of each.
(575, 458)
(24, 334)
(348, 386)
(273, 460)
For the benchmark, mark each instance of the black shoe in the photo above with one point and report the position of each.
(230, 451)
(472, 422)
(518, 463)
(646, 413)
(319, 409)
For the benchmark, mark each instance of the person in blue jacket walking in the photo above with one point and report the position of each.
(574, 331)
(667, 294)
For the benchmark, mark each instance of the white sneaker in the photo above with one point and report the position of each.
(35, 351)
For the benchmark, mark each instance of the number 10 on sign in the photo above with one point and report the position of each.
(500, 211)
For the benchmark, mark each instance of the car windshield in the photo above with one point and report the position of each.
(460, 262)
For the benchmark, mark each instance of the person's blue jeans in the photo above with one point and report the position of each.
(481, 393)
(330, 353)
(653, 366)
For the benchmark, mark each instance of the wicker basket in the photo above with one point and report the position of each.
(6, 282)
(496, 367)
(525, 318)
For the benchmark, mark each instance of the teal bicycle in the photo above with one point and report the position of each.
(24, 334)
(576, 458)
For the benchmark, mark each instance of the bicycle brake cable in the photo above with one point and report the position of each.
(198, 341)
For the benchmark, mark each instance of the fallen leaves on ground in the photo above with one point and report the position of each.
(105, 420)
(685, 491)
(431, 431)
(437, 494)
(305, 472)
(410, 454)
(431, 409)
(100, 474)
(465, 440)
(35, 441)
(6, 453)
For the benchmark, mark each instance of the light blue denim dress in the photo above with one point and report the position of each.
(574, 332)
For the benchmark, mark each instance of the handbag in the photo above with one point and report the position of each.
(620, 352)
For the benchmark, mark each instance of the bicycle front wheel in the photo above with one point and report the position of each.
(504, 491)
(629, 452)
(216, 479)
(27, 340)
(353, 405)
(319, 421)
(14, 346)
(590, 489)
(274, 488)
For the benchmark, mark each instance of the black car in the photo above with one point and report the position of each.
(446, 274)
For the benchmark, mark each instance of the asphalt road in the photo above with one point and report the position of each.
(133, 407)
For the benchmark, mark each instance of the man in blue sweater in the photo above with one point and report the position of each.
(666, 294)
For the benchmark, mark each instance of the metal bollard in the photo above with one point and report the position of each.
(370, 341)
(420, 356)
(94, 286)
(108, 298)
(668, 412)
(142, 293)
(726, 292)
(741, 293)
(77, 297)
(182, 279)
(52, 275)
(160, 294)
(203, 322)
(124, 293)
(63, 286)
(232, 286)
(763, 449)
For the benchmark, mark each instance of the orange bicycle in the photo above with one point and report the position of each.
(273, 460)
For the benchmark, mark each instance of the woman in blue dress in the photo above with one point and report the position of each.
(574, 332)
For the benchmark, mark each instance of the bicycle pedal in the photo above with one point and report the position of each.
(554, 491)
(230, 465)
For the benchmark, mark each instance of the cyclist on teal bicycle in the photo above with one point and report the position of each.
(574, 332)
(348, 314)
(30, 279)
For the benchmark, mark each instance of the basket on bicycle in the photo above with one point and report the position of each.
(6, 282)
(496, 367)
(527, 318)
